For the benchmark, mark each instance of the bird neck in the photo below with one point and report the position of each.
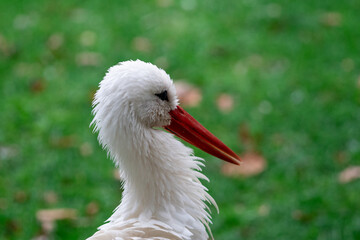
(161, 180)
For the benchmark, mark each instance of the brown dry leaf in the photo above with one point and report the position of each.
(264, 210)
(188, 95)
(12, 226)
(141, 44)
(88, 59)
(252, 164)
(63, 141)
(225, 103)
(349, 174)
(302, 216)
(297, 215)
(246, 138)
(340, 157)
(6, 48)
(47, 217)
(50, 197)
(56, 214)
(86, 149)
(37, 86)
(21, 196)
(55, 41)
(92, 209)
(41, 237)
(331, 19)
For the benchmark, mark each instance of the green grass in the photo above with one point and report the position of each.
(292, 68)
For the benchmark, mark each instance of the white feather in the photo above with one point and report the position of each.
(162, 197)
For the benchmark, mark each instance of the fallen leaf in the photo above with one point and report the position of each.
(263, 210)
(225, 103)
(88, 59)
(37, 86)
(55, 41)
(21, 196)
(6, 48)
(47, 217)
(188, 95)
(12, 226)
(56, 214)
(50, 197)
(246, 138)
(302, 216)
(341, 157)
(63, 141)
(252, 164)
(41, 237)
(297, 214)
(141, 44)
(349, 174)
(331, 19)
(86, 149)
(92, 209)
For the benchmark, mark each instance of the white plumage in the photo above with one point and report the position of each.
(163, 197)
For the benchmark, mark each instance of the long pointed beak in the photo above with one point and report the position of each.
(187, 128)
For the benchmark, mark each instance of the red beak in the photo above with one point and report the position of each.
(187, 128)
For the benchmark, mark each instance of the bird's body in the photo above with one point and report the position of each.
(163, 197)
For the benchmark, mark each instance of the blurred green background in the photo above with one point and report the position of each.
(292, 68)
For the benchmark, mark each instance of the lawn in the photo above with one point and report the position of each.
(292, 68)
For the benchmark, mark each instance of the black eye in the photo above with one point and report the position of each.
(163, 95)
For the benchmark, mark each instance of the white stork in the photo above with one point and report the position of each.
(163, 197)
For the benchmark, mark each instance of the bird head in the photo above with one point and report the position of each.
(142, 95)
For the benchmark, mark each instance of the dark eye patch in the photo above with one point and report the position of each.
(163, 95)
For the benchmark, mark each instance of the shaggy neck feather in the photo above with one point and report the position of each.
(160, 181)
